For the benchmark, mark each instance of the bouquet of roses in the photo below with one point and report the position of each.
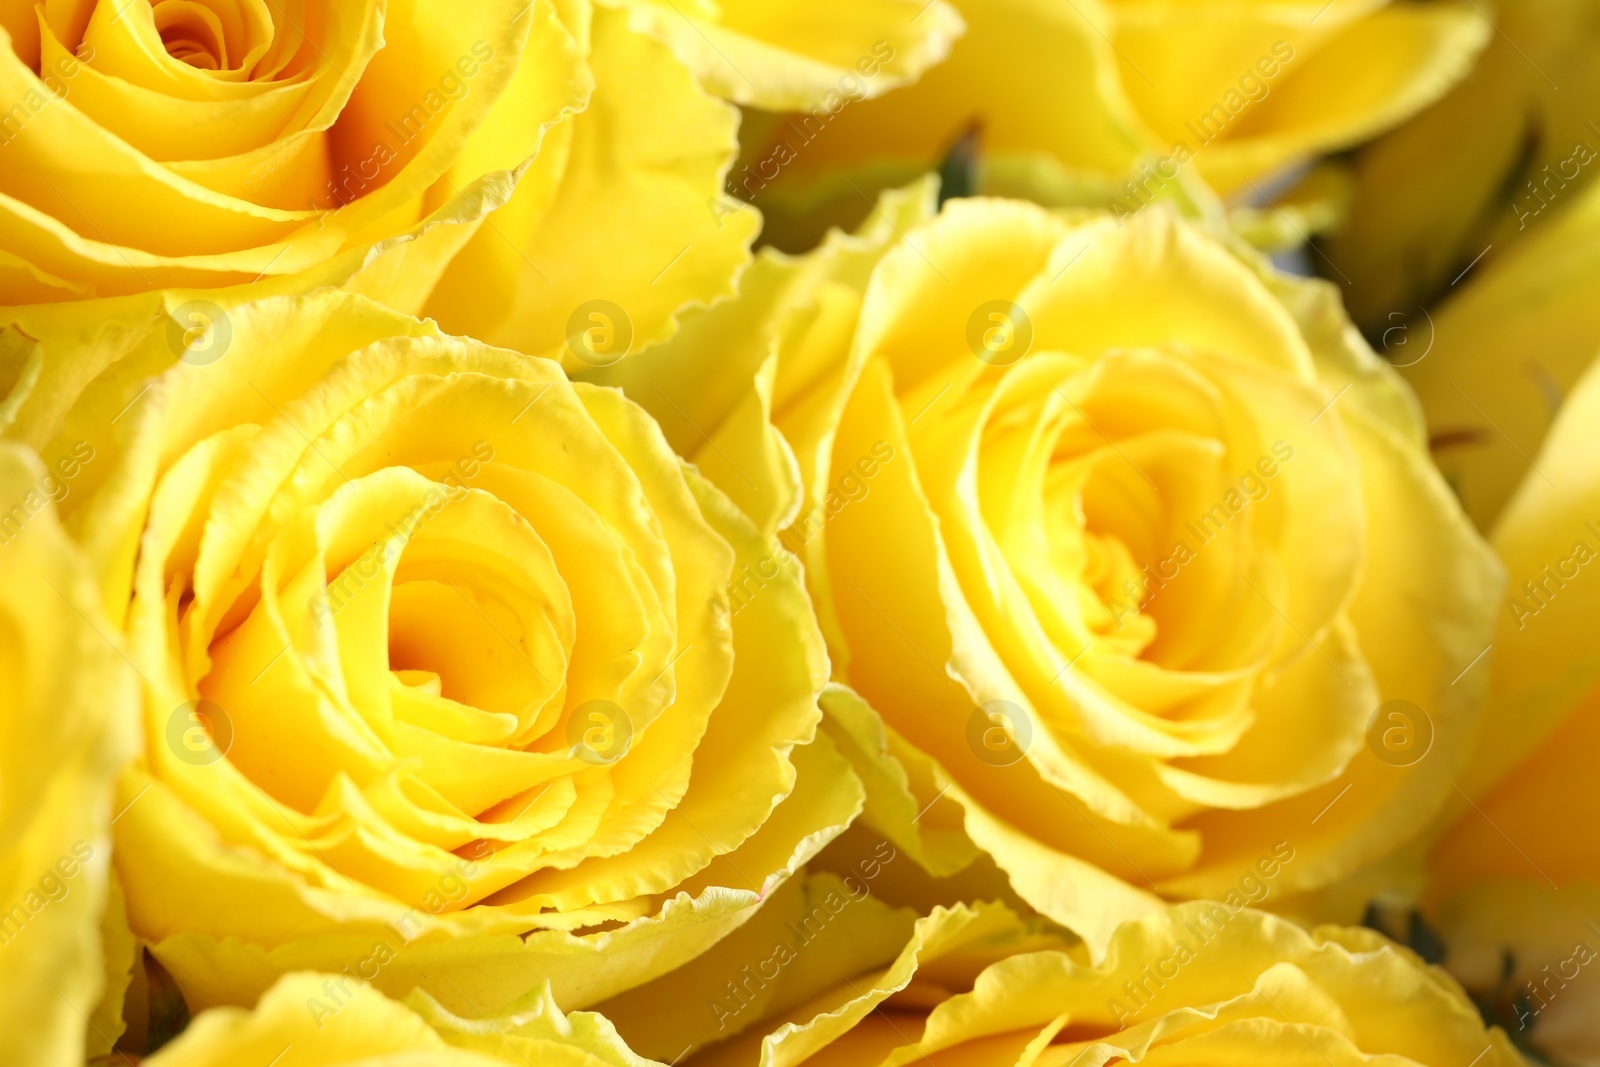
(628, 532)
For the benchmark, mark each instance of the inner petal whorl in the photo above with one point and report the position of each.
(214, 35)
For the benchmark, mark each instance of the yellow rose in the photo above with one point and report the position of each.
(68, 699)
(166, 144)
(1493, 364)
(971, 984)
(1498, 156)
(1515, 887)
(328, 1020)
(349, 142)
(1131, 542)
(1236, 91)
(441, 686)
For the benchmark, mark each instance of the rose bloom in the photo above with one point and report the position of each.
(973, 984)
(441, 683)
(170, 143)
(1055, 94)
(67, 698)
(328, 1020)
(1127, 538)
(480, 161)
(1515, 879)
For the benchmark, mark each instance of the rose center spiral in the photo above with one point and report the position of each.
(215, 35)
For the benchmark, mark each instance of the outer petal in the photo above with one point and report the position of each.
(1489, 162)
(1517, 945)
(532, 1030)
(1511, 885)
(788, 56)
(789, 985)
(1506, 350)
(727, 424)
(1543, 672)
(643, 171)
(897, 778)
(1121, 100)
(828, 926)
(1200, 983)
(1036, 78)
(582, 968)
(328, 1020)
(67, 700)
(1351, 76)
